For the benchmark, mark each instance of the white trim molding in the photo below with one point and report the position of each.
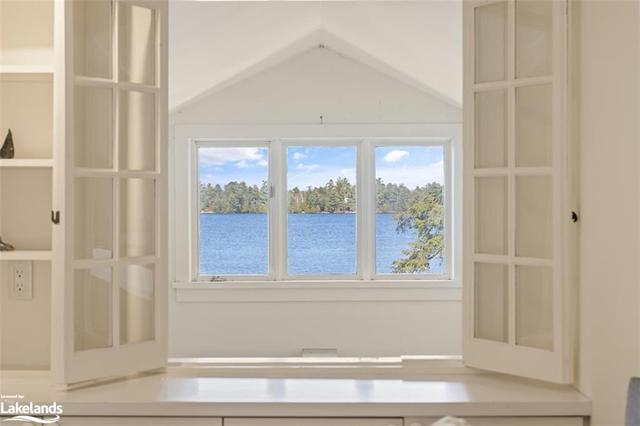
(278, 287)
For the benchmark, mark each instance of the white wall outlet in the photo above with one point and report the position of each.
(21, 280)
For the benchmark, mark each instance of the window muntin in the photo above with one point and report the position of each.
(233, 196)
(321, 211)
(285, 164)
(410, 210)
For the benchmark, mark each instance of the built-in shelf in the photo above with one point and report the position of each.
(26, 255)
(26, 162)
(26, 69)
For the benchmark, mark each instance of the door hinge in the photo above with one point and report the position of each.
(55, 216)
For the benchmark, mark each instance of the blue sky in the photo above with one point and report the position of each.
(314, 166)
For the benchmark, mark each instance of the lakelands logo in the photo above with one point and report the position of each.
(30, 412)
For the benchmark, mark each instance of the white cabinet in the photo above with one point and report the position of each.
(312, 422)
(140, 421)
(503, 421)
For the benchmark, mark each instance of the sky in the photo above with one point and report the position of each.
(314, 166)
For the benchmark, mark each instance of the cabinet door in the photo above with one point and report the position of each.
(311, 422)
(110, 277)
(140, 421)
(504, 421)
(518, 231)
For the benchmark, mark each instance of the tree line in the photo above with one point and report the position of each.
(337, 196)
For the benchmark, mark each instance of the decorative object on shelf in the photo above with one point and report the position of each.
(7, 150)
(5, 246)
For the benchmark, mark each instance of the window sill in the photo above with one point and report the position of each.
(318, 291)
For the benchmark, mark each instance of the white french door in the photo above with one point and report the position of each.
(110, 276)
(517, 219)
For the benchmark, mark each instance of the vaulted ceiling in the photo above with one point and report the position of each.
(213, 44)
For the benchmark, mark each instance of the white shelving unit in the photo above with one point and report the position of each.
(27, 108)
(26, 69)
(37, 163)
(26, 182)
(33, 255)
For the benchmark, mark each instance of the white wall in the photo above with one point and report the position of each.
(314, 83)
(298, 91)
(25, 324)
(213, 41)
(608, 72)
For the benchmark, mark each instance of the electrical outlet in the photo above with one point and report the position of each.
(21, 280)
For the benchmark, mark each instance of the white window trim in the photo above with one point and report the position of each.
(278, 286)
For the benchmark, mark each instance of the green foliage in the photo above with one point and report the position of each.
(425, 215)
(420, 210)
(235, 197)
(333, 197)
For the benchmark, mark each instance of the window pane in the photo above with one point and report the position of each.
(92, 297)
(137, 217)
(491, 215)
(322, 201)
(491, 301)
(93, 221)
(137, 131)
(136, 303)
(534, 216)
(491, 42)
(92, 27)
(534, 307)
(409, 209)
(137, 44)
(234, 195)
(93, 117)
(534, 111)
(491, 128)
(534, 31)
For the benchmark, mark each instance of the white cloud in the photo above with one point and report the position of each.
(395, 156)
(299, 156)
(319, 177)
(413, 176)
(243, 157)
(263, 163)
(307, 167)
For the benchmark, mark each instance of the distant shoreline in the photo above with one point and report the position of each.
(323, 213)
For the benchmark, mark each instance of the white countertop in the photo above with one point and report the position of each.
(179, 394)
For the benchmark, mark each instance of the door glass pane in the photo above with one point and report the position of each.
(533, 216)
(137, 217)
(137, 131)
(137, 44)
(491, 302)
(321, 224)
(136, 303)
(93, 218)
(491, 215)
(491, 128)
(234, 201)
(534, 31)
(534, 307)
(92, 301)
(93, 118)
(410, 232)
(491, 42)
(533, 126)
(93, 38)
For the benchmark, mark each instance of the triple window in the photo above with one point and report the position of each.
(322, 209)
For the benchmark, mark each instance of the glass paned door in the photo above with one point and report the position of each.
(114, 268)
(516, 218)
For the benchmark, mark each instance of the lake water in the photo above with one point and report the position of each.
(233, 244)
